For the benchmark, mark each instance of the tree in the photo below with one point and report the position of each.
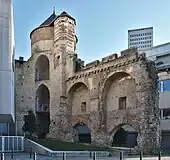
(29, 123)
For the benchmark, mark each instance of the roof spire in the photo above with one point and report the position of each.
(53, 10)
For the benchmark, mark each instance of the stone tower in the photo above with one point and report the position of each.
(102, 96)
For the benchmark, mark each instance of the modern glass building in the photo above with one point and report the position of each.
(7, 111)
(141, 38)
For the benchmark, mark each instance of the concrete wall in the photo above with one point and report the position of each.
(6, 62)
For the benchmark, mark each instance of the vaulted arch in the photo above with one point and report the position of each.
(119, 91)
(78, 97)
(42, 68)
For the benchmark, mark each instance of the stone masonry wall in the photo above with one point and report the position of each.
(91, 95)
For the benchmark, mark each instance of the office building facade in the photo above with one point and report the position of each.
(7, 111)
(141, 38)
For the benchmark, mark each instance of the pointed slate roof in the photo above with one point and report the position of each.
(65, 14)
(49, 20)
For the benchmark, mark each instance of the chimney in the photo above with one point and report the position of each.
(21, 59)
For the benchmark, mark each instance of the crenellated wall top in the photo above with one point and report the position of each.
(127, 57)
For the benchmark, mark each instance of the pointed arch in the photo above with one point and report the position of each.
(42, 110)
(78, 96)
(42, 68)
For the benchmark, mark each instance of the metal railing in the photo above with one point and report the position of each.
(11, 143)
(40, 76)
(42, 108)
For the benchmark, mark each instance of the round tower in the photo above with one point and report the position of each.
(42, 37)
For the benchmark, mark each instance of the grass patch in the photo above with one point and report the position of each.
(68, 146)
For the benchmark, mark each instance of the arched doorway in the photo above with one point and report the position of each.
(125, 136)
(42, 110)
(42, 68)
(82, 133)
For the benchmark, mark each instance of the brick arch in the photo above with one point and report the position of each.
(44, 86)
(117, 127)
(42, 97)
(42, 83)
(74, 85)
(42, 68)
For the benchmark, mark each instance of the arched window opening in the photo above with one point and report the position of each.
(82, 133)
(42, 68)
(42, 99)
(125, 136)
(42, 110)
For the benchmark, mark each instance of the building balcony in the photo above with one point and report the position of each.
(41, 76)
(43, 108)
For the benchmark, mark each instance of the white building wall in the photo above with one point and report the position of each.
(6, 62)
(158, 50)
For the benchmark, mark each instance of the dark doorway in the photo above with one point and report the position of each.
(119, 139)
(83, 133)
(43, 122)
(124, 138)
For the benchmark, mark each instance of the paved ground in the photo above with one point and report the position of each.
(40, 157)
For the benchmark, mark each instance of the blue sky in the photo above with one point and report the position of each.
(101, 24)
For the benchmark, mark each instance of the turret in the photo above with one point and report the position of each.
(65, 42)
(64, 32)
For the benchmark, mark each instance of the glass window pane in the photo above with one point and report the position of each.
(4, 128)
(167, 85)
(166, 113)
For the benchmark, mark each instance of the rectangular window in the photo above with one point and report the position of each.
(83, 107)
(122, 102)
(3, 128)
(165, 113)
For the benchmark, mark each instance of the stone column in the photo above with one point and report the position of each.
(98, 127)
(147, 95)
(61, 127)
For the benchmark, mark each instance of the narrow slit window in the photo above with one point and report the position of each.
(83, 107)
(122, 103)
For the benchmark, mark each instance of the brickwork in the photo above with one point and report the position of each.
(90, 94)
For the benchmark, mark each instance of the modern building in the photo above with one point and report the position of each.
(161, 55)
(7, 111)
(141, 38)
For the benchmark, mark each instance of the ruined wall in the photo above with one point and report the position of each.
(24, 91)
(103, 81)
(120, 90)
(90, 94)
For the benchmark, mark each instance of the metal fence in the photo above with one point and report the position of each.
(11, 143)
